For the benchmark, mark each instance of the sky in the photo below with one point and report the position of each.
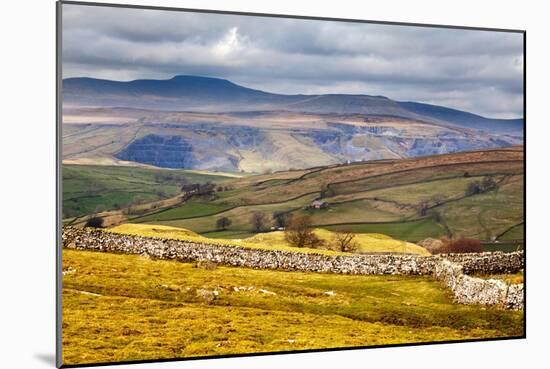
(476, 71)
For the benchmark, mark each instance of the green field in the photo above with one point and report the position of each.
(486, 215)
(128, 307)
(373, 197)
(411, 231)
(240, 216)
(517, 232)
(88, 189)
(191, 209)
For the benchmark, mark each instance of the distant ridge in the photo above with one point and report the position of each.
(208, 94)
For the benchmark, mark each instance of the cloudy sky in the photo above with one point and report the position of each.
(476, 71)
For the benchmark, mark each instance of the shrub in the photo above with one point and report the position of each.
(488, 183)
(459, 246)
(223, 223)
(95, 222)
(473, 188)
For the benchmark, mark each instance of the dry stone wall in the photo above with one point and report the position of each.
(449, 268)
(471, 290)
(488, 262)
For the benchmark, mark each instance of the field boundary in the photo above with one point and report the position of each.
(447, 268)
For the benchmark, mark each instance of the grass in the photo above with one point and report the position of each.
(508, 278)
(488, 214)
(356, 211)
(127, 307)
(503, 246)
(517, 232)
(229, 234)
(188, 210)
(424, 175)
(368, 243)
(87, 188)
(374, 197)
(240, 216)
(376, 201)
(411, 230)
(413, 194)
(274, 240)
(175, 233)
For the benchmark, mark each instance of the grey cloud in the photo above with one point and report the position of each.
(478, 71)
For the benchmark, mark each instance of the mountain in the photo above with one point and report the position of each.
(177, 93)
(464, 119)
(205, 94)
(176, 87)
(213, 124)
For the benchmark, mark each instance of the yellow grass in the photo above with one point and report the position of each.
(167, 232)
(127, 307)
(367, 242)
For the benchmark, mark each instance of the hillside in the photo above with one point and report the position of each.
(256, 142)
(96, 188)
(191, 122)
(407, 199)
(251, 310)
(366, 243)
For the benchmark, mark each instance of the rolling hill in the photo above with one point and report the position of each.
(407, 199)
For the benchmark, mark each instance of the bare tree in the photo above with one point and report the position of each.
(258, 221)
(299, 233)
(345, 241)
(281, 218)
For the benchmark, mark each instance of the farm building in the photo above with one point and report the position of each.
(318, 204)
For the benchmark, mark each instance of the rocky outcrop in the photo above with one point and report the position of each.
(448, 268)
(161, 151)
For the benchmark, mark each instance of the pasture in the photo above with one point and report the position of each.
(128, 307)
